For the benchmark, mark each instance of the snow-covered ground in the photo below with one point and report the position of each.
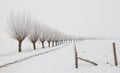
(18, 57)
(9, 46)
(62, 60)
(10, 55)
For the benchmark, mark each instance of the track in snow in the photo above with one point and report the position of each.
(20, 60)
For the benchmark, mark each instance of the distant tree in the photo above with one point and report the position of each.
(49, 40)
(34, 33)
(53, 36)
(48, 36)
(57, 37)
(43, 36)
(19, 27)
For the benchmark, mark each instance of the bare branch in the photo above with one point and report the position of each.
(19, 27)
(34, 33)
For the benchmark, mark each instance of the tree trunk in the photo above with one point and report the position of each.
(52, 43)
(55, 43)
(19, 46)
(34, 46)
(48, 43)
(63, 42)
(43, 44)
(60, 42)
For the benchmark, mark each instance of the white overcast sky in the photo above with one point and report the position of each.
(92, 18)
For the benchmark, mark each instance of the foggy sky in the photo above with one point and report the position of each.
(92, 18)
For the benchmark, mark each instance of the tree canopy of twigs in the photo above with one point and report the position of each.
(43, 36)
(19, 27)
(22, 26)
(34, 32)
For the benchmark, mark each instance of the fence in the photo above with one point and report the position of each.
(91, 62)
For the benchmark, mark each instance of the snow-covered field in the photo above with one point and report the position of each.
(9, 46)
(62, 60)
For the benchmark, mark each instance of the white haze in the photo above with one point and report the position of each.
(90, 18)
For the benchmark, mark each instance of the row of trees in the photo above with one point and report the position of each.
(22, 26)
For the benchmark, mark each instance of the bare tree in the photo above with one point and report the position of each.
(53, 37)
(19, 27)
(48, 36)
(49, 40)
(34, 33)
(43, 36)
(57, 37)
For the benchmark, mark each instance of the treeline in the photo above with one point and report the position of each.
(23, 26)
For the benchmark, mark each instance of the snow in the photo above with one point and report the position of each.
(15, 56)
(9, 46)
(62, 60)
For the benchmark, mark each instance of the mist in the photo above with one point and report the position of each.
(89, 18)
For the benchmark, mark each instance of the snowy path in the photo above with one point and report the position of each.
(62, 60)
(9, 63)
(59, 61)
(19, 57)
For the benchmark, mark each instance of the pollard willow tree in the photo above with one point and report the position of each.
(48, 36)
(61, 38)
(57, 37)
(19, 27)
(53, 36)
(34, 33)
(43, 36)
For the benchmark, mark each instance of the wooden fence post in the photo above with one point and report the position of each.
(76, 57)
(115, 54)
